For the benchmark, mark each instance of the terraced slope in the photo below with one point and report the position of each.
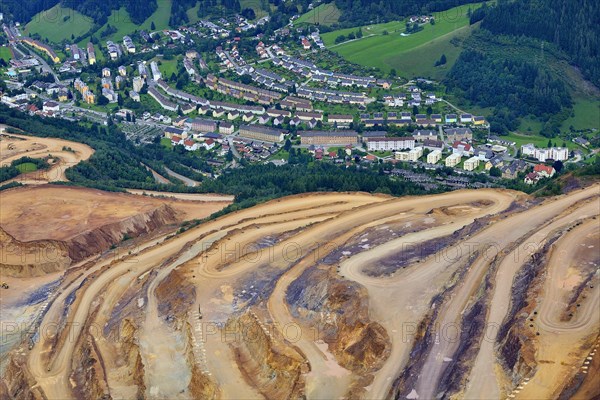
(335, 295)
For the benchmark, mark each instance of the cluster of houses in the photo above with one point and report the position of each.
(114, 50)
(241, 90)
(539, 171)
(414, 98)
(56, 90)
(332, 96)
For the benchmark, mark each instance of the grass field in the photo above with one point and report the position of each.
(530, 125)
(325, 14)
(168, 67)
(26, 167)
(166, 143)
(120, 19)
(540, 141)
(587, 114)
(255, 5)
(387, 51)
(421, 60)
(375, 29)
(51, 24)
(192, 14)
(5, 53)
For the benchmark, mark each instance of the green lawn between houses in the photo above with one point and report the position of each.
(5, 53)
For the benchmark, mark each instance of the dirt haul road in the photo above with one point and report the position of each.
(562, 345)
(483, 381)
(229, 262)
(501, 235)
(68, 154)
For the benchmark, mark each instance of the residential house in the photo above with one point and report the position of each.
(451, 118)
(390, 143)
(421, 135)
(512, 170)
(340, 120)
(209, 144)
(51, 107)
(191, 145)
(532, 178)
(226, 128)
(204, 125)
(466, 118)
(262, 133)
(544, 170)
(478, 120)
(462, 148)
(458, 134)
(433, 144)
(496, 161)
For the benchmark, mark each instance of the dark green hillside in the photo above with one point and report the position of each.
(98, 10)
(573, 25)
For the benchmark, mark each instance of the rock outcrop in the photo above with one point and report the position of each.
(271, 366)
(101, 239)
(340, 311)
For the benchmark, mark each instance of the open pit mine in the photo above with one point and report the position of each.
(471, 294)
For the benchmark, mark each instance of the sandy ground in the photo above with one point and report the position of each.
(61, 212)
(37, 147)
(183, 196)
(218, 259)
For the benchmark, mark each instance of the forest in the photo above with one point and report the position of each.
(360, 12)
(23, 11)
(514, 88)
(572, 25)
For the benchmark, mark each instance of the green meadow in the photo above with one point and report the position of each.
(325, 14)
(5, 53)
(386, 51)
(59, 23)
(586, 114)
(120, 20)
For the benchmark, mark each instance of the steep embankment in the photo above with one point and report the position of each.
(340, 311)
(271, 366)
(27, 259)
(39, 257)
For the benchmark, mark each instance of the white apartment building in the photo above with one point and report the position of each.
(156, 75)
(434, 157)
(390, 143)
(453, 159)
(471, 164)
(554, 153)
